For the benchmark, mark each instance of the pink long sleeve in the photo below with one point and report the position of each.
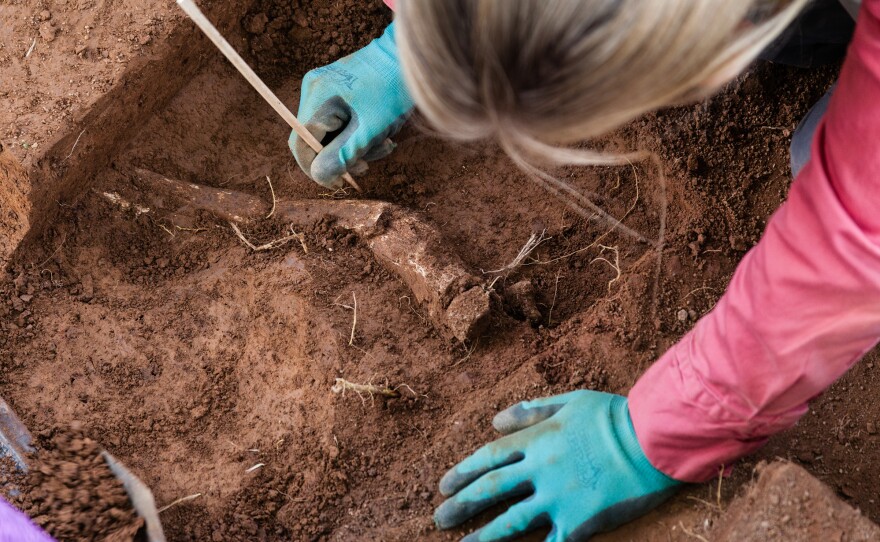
(802, 307)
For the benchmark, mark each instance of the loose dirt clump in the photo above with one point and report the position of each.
(72, 494)
(786, 503)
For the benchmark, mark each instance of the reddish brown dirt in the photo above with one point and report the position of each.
(71, 492)
(193, 359)
(14, 204)
(786, 503)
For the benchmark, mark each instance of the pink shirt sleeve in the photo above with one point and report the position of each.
(390, 4)
(17, 527)
(802, 307)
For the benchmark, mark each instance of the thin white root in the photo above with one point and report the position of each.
(553, 304)
(615, 265)
(534, 241)
(75, 143)
(255, 467)
(691, 533)
(278, 243)
(604, 235)
(274, 201)
(468, 355)
(354, 309)
(180, 501)
(354, 321)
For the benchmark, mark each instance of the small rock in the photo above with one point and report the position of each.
(45, 15)
(682, 315)
(48, 31)
(198, 412)
(26, 298)
(257, 24)
(872, 428)
(738, 243)
(88, 289)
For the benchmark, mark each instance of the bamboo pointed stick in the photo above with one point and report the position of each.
(194, 13)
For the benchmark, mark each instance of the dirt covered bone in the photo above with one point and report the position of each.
(226, 204)
(403, 243)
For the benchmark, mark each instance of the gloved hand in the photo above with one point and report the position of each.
(364, 96)
(577, 457)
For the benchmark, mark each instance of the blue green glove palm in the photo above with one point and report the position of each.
(577, 459)
(361, 101)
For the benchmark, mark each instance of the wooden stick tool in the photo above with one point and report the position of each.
(214, 35)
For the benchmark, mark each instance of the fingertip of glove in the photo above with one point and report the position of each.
(508, 418)
(450, 483)
(442, 517)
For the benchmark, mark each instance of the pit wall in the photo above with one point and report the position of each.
(38, 177)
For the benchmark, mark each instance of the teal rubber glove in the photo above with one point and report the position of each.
(361, 101)
(577, 459)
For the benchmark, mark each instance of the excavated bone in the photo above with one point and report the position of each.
(403, 243)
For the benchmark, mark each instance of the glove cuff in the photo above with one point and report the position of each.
(629, 443)
(389, 66)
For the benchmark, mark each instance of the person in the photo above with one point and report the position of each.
(536, 75)
(17, 527)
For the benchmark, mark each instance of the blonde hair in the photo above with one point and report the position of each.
(540, 74)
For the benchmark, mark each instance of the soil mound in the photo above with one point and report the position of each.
(72, 494)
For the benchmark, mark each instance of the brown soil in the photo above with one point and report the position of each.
(786, 503)
(71, 492)
(193, 359)
(14, 205)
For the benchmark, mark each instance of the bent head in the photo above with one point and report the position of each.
(535, 74)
